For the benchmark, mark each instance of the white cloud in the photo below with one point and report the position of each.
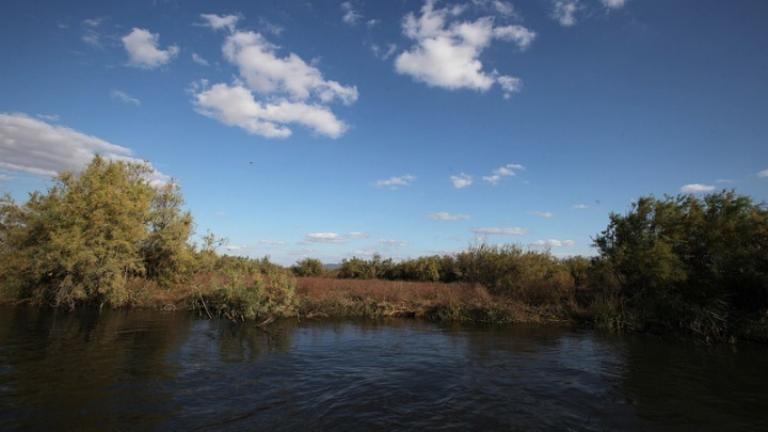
(382, 52)
(461, 180)
(393, 243)
(197, 58)
(511, 231)
(696, 188)
(143, 49)
(266, 73)
(543, 214)
(372, 22)
(763, 173)
(507, 170)
(324, 237)
(396, 182)
(294, 92)
(218, 22)
(124, 97)
(273, 243)
(613, 4)
(333, 237)
(350, 15)
(446, 52)
(552, 243)
(564, 12)
(236, 106)
(36, 147)
(509, 85)
(445, 216)
(580, 206)
(91, 34)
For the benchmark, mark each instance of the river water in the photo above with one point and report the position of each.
(146, 370)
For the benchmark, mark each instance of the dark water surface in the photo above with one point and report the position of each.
(143, 370)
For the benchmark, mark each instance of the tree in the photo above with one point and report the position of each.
(689, 262)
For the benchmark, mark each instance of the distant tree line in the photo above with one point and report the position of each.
(109, 237)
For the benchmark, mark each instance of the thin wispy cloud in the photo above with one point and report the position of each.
(552, 243)
(500, 231)
(564, 11)
(446, 216)
(580, 206)
(384, 52)
(499, 173)
(334, 237)
(461, 180)
(396, 182)
(124, 97)
(197, 58)
(614, 4)
(695, 188)
(543, 214)
(219, 22)
(763, 173)
(350, 15)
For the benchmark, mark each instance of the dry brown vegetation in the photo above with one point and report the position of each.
(376, 298)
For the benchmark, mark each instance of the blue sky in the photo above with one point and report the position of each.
(333, 129)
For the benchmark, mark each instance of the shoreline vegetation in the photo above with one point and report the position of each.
(108, 237)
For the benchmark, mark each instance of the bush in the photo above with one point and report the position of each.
(308, 267)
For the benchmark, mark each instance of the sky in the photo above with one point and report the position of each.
(334, 129)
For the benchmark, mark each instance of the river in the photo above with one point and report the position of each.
(149, 370)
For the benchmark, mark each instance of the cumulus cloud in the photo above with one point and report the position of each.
(396, 182)
(292, 90)
(510, 231)
(564, 11)
(267, 73)
(552, 243)
(218, 22)
(197, 58)
(144, 51)
(446, 51)
(543, 214)
(349, 14)
(445, 216)
(124, 97)
(763, 173)
(507, 170)
(33, 146)
(461, 180)
(694, 188)
(234, 105)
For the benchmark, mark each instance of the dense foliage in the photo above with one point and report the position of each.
(689, 263)
(108, 236)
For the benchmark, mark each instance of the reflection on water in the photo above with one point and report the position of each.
(144, 370)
